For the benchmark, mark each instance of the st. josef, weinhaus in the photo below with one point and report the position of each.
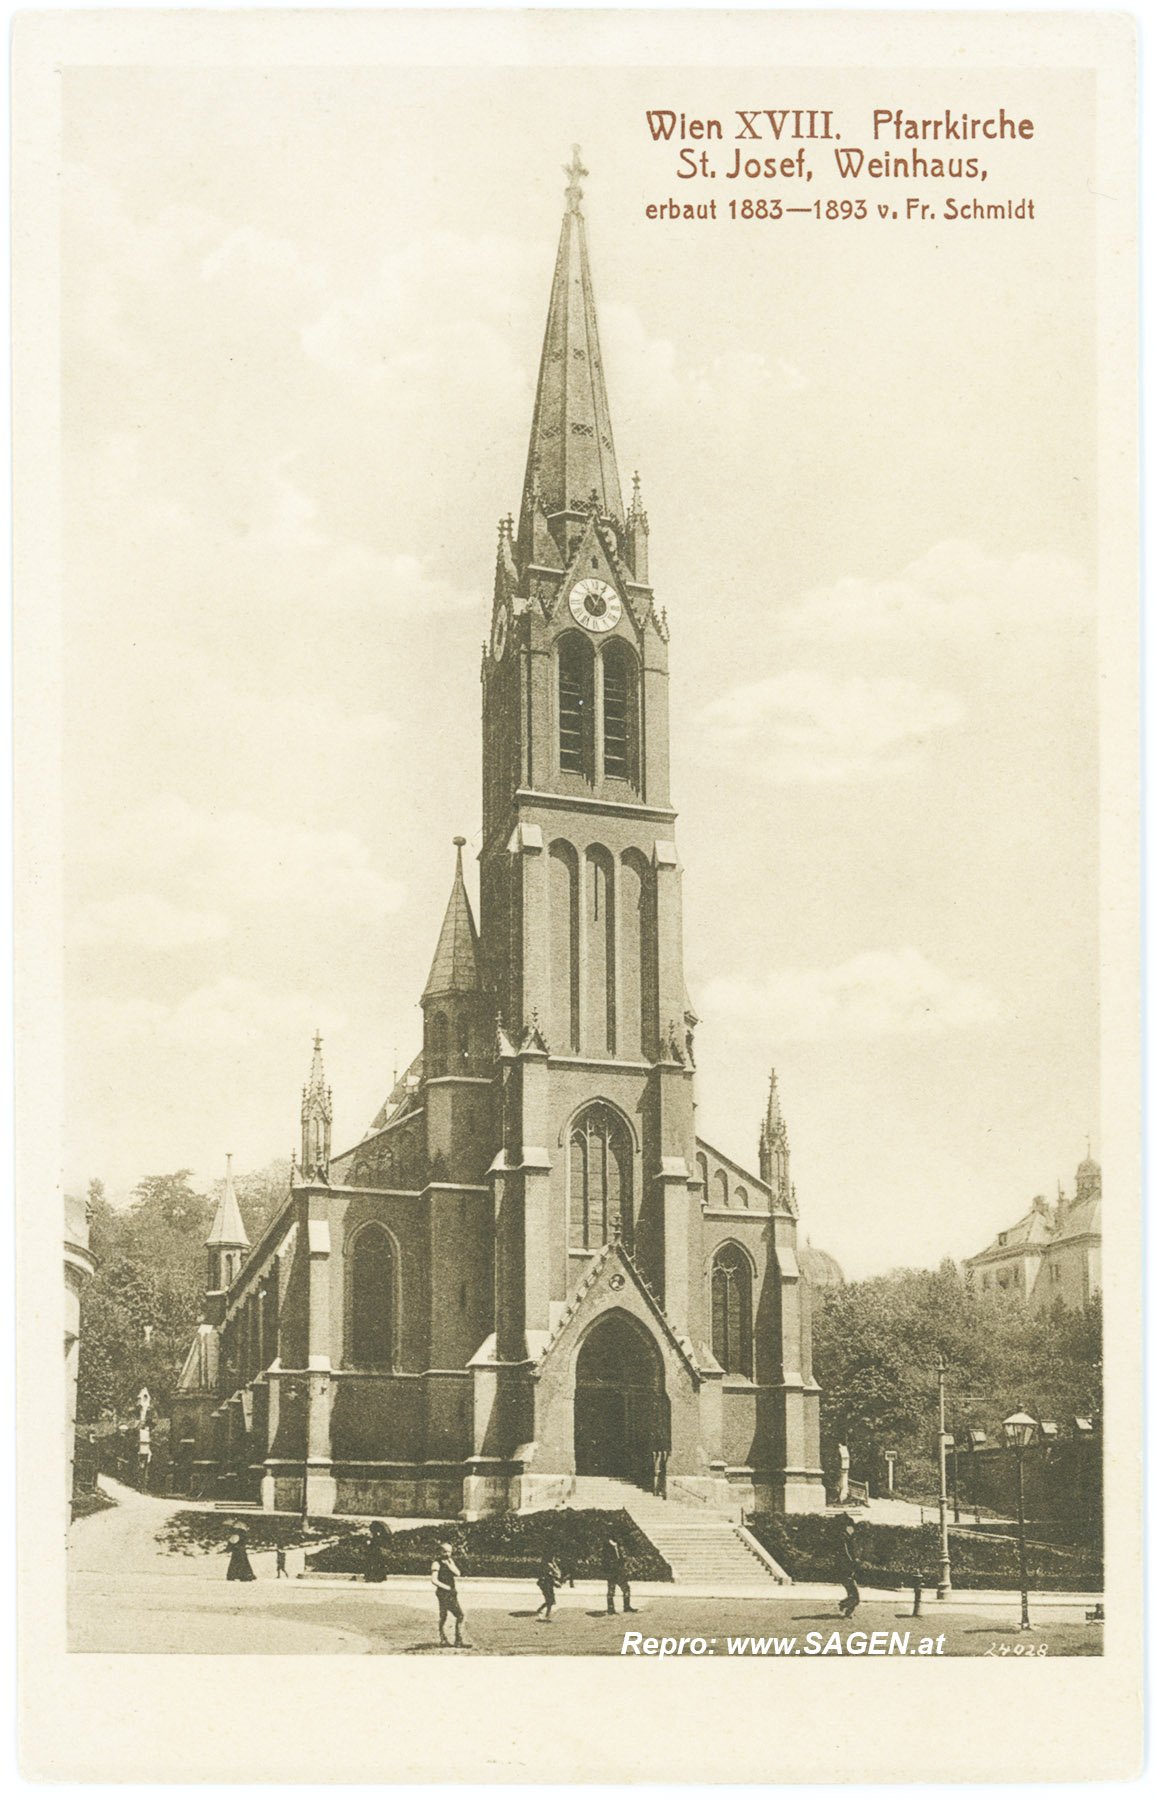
(530, 1268)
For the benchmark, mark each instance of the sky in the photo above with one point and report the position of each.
(302, 315)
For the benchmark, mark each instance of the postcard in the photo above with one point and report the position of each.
(577, 744)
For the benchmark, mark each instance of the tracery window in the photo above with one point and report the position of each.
(601, 1161)
(731, 1295)
(372, 1301)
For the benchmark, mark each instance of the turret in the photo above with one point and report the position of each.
(456, 1034)
(316, 1119)
(774, 1147)
(225, 1245)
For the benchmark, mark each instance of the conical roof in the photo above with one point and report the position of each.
(571, 446)
(454, 968)
(228, 1228)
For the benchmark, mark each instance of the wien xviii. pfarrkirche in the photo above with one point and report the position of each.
(530, 1269)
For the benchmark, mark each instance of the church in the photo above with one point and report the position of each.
(530, 1269)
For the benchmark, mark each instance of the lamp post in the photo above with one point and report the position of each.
(1020, 1429)
(943, 1532)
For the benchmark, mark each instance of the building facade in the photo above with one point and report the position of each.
(531, 1268)
(1053, 1253)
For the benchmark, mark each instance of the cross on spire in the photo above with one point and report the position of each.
(575, 171)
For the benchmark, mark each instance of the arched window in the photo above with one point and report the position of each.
(730, 1294)
(620, 712)
(741, 1197)
(601, 1179)
(721, 1188)
(704, 1176)
(438, 1057)
(575, 705)
(463, 1042)
(372, 1299)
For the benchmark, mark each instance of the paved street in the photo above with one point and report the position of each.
(127, 1594)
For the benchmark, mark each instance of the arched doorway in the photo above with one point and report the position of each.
(620, 1408)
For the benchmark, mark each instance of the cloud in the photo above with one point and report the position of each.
(879, 993)
(238, 860)
(805, 726)
(440, 302)
(647, 371)
(954, 590)
(144, 921)
(227, 1014)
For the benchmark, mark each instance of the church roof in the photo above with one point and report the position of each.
(571, 446)
(228, 1227)
(454, 968)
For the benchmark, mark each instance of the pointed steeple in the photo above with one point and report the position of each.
(316, 1117)
(774, 1146)
(228, 1228)
(571, 463)
(227, 1240)
(454, 969)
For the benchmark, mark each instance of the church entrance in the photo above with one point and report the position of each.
(620, 1409)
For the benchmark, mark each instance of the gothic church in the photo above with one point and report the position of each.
(530, 1268)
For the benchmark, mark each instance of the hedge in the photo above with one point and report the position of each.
(808, 1547)
(509, 1544)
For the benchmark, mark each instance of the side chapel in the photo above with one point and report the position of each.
(530, 1268)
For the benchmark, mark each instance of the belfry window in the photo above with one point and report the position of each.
(620, 712)
(372, 1299)
(730, 1294)
(575, 668)
(600, 1179)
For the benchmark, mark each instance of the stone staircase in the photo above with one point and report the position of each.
(704, 1546)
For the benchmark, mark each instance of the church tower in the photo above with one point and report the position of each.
(580, 881)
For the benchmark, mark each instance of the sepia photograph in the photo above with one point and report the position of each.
(581, 816)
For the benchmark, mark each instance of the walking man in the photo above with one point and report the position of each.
(445, 1575)
(282, 1563)
(548, 1576)
(848, 1569)
(616, 1574)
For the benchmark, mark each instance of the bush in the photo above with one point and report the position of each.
(510, 1544)
(807, 1546)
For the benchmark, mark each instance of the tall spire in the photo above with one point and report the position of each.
(571, 463)
(454, 969)
(774, 1146)
(316, 1117)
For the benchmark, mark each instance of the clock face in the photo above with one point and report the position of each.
(594, 604)
(501, 634)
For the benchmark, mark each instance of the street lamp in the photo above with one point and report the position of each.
(943, 1535)
(1020, 1430)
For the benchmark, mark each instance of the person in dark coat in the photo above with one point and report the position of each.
(377, 1551)
(848, 1569)
(240, 1568)
(616, 1574)
(548, 1576)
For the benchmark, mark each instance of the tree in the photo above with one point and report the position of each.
(876, 1350)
